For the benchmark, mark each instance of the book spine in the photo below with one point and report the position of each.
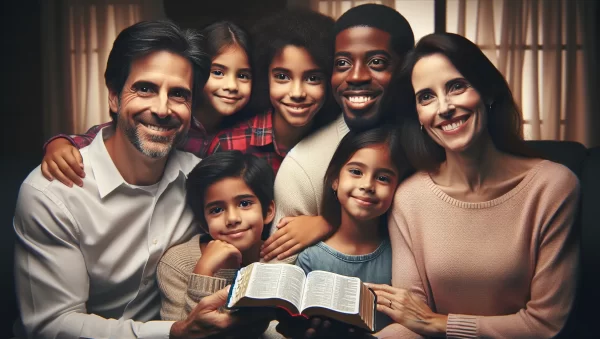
(231, 288)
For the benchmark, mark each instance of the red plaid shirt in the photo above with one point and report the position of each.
(197, 141)
(254, 136)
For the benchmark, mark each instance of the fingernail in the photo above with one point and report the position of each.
(261, 254)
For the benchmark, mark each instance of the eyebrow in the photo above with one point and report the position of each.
(237, 197)
(445, 84)
(368, 54)
(214, 64)
(145, 83)
(383, 169)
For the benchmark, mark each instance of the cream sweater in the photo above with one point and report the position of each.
(299, 181)
(181, 289)
(505, 268)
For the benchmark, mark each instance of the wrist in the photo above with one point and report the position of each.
(178, 330)
(202, 268)
(437, 325)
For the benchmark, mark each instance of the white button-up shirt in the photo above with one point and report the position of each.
(86, 257)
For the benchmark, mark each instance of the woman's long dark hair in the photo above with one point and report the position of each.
(350, 144)
(504, 120)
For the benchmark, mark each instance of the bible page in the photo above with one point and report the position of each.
(282, 281)
(333, 291)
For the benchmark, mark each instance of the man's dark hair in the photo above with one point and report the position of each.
(294, 27)
(504, 120)
(147, 37)
(382, 17)
(350, 144)
(255, 172)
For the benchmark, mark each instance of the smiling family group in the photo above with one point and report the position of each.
(422, 187)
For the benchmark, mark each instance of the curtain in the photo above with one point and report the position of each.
(77, 36)
(335, 8)
(542, 47)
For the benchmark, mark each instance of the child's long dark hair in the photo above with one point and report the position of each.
(217, 38)
(350, 144)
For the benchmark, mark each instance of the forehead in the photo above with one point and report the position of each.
(360, 40)
(294, 58)
(232, 56)
(226, 189)
(433, 69)
(162, 67)
(376, 156)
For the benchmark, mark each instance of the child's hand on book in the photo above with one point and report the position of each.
(293, 235)
(218, 255)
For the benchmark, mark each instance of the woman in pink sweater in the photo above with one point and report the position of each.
(482, 235)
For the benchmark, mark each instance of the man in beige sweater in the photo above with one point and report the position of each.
(371, 40)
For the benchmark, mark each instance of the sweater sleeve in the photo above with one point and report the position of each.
(182, 291)
(404, 271)
(552, 285)
(294, 192)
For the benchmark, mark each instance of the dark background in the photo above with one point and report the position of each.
(22, 132)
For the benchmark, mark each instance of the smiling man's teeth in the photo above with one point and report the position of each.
(453, 126)
(359, 99)
(157, 128)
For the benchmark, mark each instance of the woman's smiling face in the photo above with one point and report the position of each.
(451, 111)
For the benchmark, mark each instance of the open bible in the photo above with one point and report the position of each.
(318, 293)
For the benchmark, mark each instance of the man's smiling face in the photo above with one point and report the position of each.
(363, 65)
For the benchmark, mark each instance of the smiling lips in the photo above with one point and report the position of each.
(229, 100)
(359, 100)
(364, 201)
(453, 124)
(236, 233)
(297, 108)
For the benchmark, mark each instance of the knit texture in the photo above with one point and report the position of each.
(504, 268)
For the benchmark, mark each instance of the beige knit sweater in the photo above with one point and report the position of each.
(504, 268)
(181, 289)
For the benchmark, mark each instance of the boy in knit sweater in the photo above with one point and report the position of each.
(231, 196)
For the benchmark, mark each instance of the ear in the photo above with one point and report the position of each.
(113, 101)
(334, 186)
(270, 213)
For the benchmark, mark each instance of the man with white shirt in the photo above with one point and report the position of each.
(86, 257)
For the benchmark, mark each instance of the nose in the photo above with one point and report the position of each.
(230, 83)
(445, 107)
(359, 74)
(233, 217)
(161, 105)
(297, 92)
(367, 184)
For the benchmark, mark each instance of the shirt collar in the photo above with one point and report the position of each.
(108, 177)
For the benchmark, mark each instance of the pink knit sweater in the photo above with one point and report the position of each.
(504, 268)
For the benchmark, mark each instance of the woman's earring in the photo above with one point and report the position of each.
(421, 127)
(490, 107)
(334, 193)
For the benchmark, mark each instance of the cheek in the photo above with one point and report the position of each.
(383, 78)
(276, 90)
(336, 79)
(317, 93)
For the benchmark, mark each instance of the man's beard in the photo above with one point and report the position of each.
(360, 123)
(140, 140)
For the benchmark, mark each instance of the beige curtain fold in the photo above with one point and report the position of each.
(335, 8)
(537, 50)
(77, 36)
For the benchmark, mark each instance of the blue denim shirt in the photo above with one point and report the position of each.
(375, 267)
